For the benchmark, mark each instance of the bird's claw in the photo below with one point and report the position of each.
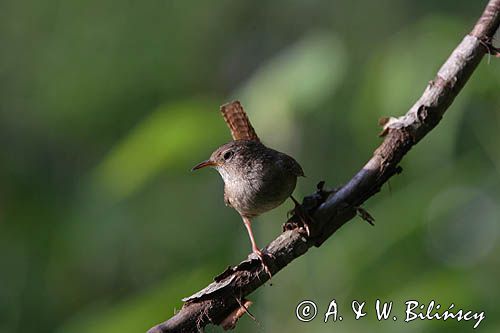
(262, 256)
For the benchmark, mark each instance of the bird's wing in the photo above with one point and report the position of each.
(238, 122)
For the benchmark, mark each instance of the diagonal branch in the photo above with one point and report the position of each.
(330, 210)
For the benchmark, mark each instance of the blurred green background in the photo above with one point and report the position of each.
(106, 105)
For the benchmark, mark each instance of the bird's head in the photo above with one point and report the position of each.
(219, 157)
(227, 159)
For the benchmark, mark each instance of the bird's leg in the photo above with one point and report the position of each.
(255, 249)
(248, 225)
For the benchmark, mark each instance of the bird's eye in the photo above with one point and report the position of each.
(227, 155)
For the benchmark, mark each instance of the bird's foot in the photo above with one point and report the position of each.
(262, 258)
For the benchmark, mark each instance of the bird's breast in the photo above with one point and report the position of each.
(254, 193)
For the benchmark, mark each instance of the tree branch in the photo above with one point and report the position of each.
(332, 209)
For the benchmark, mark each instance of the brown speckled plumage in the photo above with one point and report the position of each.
(237, 120)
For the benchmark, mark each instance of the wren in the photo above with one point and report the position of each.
(256, 178)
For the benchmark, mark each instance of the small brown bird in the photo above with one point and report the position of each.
(256, 178)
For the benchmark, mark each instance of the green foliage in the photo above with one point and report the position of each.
(167, 139)
(138, 312)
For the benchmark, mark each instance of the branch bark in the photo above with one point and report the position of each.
(332, 209)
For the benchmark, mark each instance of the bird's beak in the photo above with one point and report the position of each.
(204, 164)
